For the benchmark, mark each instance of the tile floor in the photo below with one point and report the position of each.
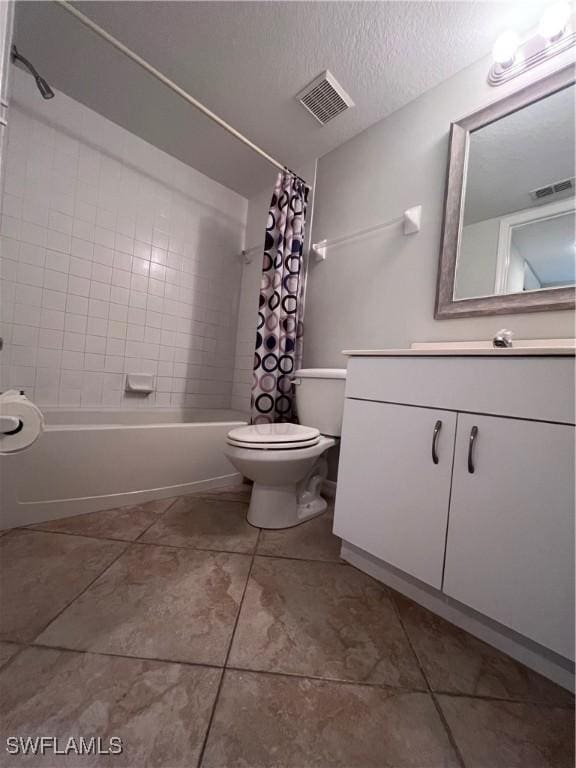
(201, 641)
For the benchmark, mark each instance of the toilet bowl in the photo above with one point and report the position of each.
(287, 462)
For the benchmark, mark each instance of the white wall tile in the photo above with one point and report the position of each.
(27, 315)
(54, 300)
(55, 281)
(58, 261)
(80, 267)
(79, 286)
(74, 342)
(115, 258)
(50, 339)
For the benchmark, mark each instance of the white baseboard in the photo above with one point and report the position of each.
(541, 660)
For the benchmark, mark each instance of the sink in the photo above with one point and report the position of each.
(520, 347)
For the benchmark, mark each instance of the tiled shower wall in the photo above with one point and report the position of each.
(249, 293)
(115, 258)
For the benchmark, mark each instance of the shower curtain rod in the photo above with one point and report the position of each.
(170, 84)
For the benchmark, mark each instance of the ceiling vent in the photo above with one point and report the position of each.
(325, 98)
(552, 189)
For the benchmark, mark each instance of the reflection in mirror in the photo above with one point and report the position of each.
(518, 225)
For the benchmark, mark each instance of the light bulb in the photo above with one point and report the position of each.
(505, 47)
(554, 21)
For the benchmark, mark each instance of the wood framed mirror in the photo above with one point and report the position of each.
(508, 238)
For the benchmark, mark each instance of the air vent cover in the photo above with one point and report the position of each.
(325, 98)
(552, 189)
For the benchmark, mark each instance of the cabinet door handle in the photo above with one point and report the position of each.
(437, 428)
(471, 442)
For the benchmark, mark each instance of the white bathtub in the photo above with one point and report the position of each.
(88, 460)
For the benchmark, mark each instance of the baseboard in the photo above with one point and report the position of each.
(541, 660)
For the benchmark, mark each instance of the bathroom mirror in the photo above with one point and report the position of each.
(508, 240)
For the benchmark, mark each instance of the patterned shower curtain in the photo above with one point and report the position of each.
(279, 335)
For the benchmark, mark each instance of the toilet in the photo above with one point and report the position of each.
(287, 462)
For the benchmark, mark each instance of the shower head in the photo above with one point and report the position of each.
(43, 87)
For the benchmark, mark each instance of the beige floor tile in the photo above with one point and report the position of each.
(498, 734)
(205, 524)
(160, 603)
(125, 523)
(7, 651)
(271, 721)
(456, 662)
(40, 573)
(313, 540)
(160, 711)
(321, 619)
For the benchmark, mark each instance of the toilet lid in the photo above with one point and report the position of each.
(274, 434)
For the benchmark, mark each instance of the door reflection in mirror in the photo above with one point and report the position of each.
(518, 224)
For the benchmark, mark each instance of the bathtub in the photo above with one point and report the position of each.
(87, 460)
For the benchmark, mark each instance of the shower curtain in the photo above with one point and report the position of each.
(279, 334)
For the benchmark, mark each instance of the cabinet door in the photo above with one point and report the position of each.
(392, 497)
(510, 546)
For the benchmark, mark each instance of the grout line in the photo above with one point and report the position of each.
(111, 654)
(19, 650)
(431, 693)
(157, 520)
(232, 635)
(242, 599)
(393, 592)
(82, 592)
(35, 527)
(499, 700)
(181, 546)
(301, 559)
(444, 721)
(398, 688)
(22, 645)
(253, 555)
(333, 680)
(134, 541)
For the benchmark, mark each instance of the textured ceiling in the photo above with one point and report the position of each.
(247, 60)
(521, 152)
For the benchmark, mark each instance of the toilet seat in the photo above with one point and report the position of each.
(273, 436)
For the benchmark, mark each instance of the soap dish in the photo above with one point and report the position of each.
(141, 383)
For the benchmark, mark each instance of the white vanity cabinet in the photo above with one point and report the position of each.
(400, 494)
(510, 546)
(459, 472)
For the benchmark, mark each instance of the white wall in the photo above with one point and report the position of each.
(380, 292)
(250, 286)
(476, 268)
(116, 258)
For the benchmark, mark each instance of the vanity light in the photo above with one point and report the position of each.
(512, 56)
(505, 48)
(554, 21)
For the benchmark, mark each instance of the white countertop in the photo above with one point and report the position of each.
(506, 352)
(520, 348)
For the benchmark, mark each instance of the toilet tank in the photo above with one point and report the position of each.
(320, 398)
